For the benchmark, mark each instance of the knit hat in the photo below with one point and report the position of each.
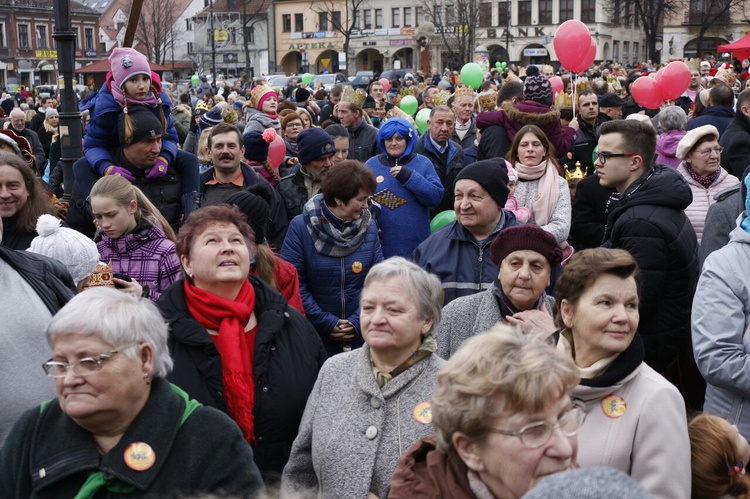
(409, 76)
(491, 175)
(257, 143)
(51, 111)
(7, 106)
(537, 87)
(588, 483)
(238, 105)
(301, 95)
(126, 63)
(255, 203)
(145, 125)
(312, 144)
(369, 103)
(259, 95)
(692, 137)
(525, 237)
(211, 118)
(75, 251)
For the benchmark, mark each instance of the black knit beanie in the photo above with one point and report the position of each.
(492, 175)
(145, 124)
(256, 207)
(537, 87)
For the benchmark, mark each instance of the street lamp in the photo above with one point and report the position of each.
(507, 32)
(213, 39)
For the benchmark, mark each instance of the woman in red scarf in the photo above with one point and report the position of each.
(236, 343)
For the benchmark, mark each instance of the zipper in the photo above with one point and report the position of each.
(343, 285)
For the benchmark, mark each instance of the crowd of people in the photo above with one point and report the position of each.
(296, 292)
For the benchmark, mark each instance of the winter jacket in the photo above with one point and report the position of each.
(259, 121)
(49, 455)
(287, 282)
(703, 198)
(146, 255)
(182, 115)
(363, 141)
(721, 221)
(528, 112)
(589, 213)
(666, 148)
(102, 132)
(446, 169)
(721, 317)
(718, 116)
(405, 201)
(649, 441)
(469, 137)
(353, 432)
(331, 286)
(462, 264)
(15, 237)
(293, 193)
(40, 159)
(287, 358)
(649, 222)
(585, 143)
(559, 222)
(736, 143)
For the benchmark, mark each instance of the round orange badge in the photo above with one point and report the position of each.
(357, 267)
(139, 456)
(423, 413)
(614, 406)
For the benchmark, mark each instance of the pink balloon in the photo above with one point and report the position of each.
(647, 92)
(587, 60)
(276, 152)
(386, 84)
(572, 43)
(675, 79)
(557, 84)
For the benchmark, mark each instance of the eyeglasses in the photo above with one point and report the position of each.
(707, 152)
(534, 435)
(602, 157)
(81, 367)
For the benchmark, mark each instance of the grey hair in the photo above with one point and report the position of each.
(120, 319)
(447, 109)
(672, 118)
(428, 290)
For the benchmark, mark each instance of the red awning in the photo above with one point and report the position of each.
(740, 48)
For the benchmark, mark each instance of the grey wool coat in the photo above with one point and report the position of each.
(468, 316)
(353, 432)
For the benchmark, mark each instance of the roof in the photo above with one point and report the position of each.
(253, 7)
(77, 7)
(103, 66)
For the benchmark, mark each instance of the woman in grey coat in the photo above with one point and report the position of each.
(370, 405)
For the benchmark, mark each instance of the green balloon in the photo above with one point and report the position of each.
(499, 65)
(421, 120)
(409, 105)
(472, 75)
(593, 154)
(306, 78)
(195, 80)
(441, 220)
(503, 64)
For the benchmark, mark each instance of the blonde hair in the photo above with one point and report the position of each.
(203, 155)
(123, 192)
(501, 372)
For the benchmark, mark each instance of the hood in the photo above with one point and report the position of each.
(659, 186)
(666, 143)
(531, 113)
(738, 234)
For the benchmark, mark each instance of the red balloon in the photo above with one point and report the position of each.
(557, 84)
(386, 84)
(276, 152)
(647, 92)
(675, 79)
(572, 43)
(587, 60)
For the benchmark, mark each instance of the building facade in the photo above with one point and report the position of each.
(724, 22)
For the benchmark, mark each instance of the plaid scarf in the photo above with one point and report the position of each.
(427, 348)
(331, 235)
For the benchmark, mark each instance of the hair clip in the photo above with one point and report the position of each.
(737, 469)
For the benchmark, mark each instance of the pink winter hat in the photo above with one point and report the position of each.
(126, 63)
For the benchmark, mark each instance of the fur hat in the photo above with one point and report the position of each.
(492, 175)
(525, 237)
(145, 125)
(126, 63)
(692, 137)
(537, 87)
(312, 144)
(259, 95)
(71, 248)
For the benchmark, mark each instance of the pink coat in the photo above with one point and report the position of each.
(703, 198)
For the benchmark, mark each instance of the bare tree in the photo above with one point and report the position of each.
(252, 12)
(346, 21)
(705, 16)
(156, 29)
(649, 14)
(456, 23)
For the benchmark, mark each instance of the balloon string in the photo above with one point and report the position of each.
(575, 92)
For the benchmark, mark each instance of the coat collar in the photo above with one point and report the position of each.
(365, 379)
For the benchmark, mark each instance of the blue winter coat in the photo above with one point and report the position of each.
(330, 286)
(102, 135)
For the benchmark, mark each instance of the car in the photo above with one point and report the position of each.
(329, 80)
(278, 81)
(361, 81)
(46, 90)
(395, 74)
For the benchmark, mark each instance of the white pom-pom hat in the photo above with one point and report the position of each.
(71, 248)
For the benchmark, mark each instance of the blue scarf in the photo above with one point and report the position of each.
(745, 224)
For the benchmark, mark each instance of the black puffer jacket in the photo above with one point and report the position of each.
(293, 192)
(288, 356)
(736, 143)
(650, 223)
(47, 277)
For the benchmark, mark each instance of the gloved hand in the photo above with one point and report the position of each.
(118, 170)
(158, 170)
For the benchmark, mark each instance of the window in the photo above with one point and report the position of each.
(485, 15)
(322, 21)
(378, 18)
(503, 14)
(368, 19)
(23, 36)
(625, 47)
(450, 15)
(635, 52)
(420, 16)
(566, 10)
(545, 11)
(407, 17)
(188, 25)
(250, 34)
(2, 35)
(588, 11)
(524, 12)
(299, 22)
(616, 13)
(437, 14)
(286, 21)
(190, 48)
(89, 39)
(616, 50)
(41, 36)
(396, 18)
(336, 19)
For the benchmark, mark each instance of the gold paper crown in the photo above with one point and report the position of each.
(356, 97)
(546, 68)
(413, 91)
(725, 76)
(511, 76)
(396, 100)
(615, 83)
(441, 98)
(397, 112)
(422, 85)
(102, 276)
(563, 101)
(577, 174)
(488, 100)
(581, 83)
(463, 93)
(693, 64)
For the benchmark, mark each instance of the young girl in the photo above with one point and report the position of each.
(136, 239)
(262, 113)
(718, 458)
(130, 83)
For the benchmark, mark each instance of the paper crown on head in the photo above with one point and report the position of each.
(356, 97)
(488, 100)
(441, 98)
(547, 68)
(576, 174)
(563, 101)
(404, 91)
(257, 94)
(463, 93)
(581, 83)
(693, 64)
(511, 76)
(726, 76)
(102, 276)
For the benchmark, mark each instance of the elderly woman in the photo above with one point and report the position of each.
(503, 420)
(236, 343)
(673, 124)
(408, 187)
(117, 426)
(700, 153)
(525, 255)
(635, 419)
(334, 243)
(540, 186)
(371, 404)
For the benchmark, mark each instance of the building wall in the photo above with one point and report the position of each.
(681, 28)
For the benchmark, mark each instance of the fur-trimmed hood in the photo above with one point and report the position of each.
(530, 113)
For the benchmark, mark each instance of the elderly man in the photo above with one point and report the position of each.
(610, 107)
(465, 131)
(445, 155)
(362, 136)
(18, 124)
(459, 252)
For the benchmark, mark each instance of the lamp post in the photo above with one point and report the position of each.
(213, 39)
(507, 32)
(70, 118)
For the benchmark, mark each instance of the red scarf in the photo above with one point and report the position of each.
(236, 346)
